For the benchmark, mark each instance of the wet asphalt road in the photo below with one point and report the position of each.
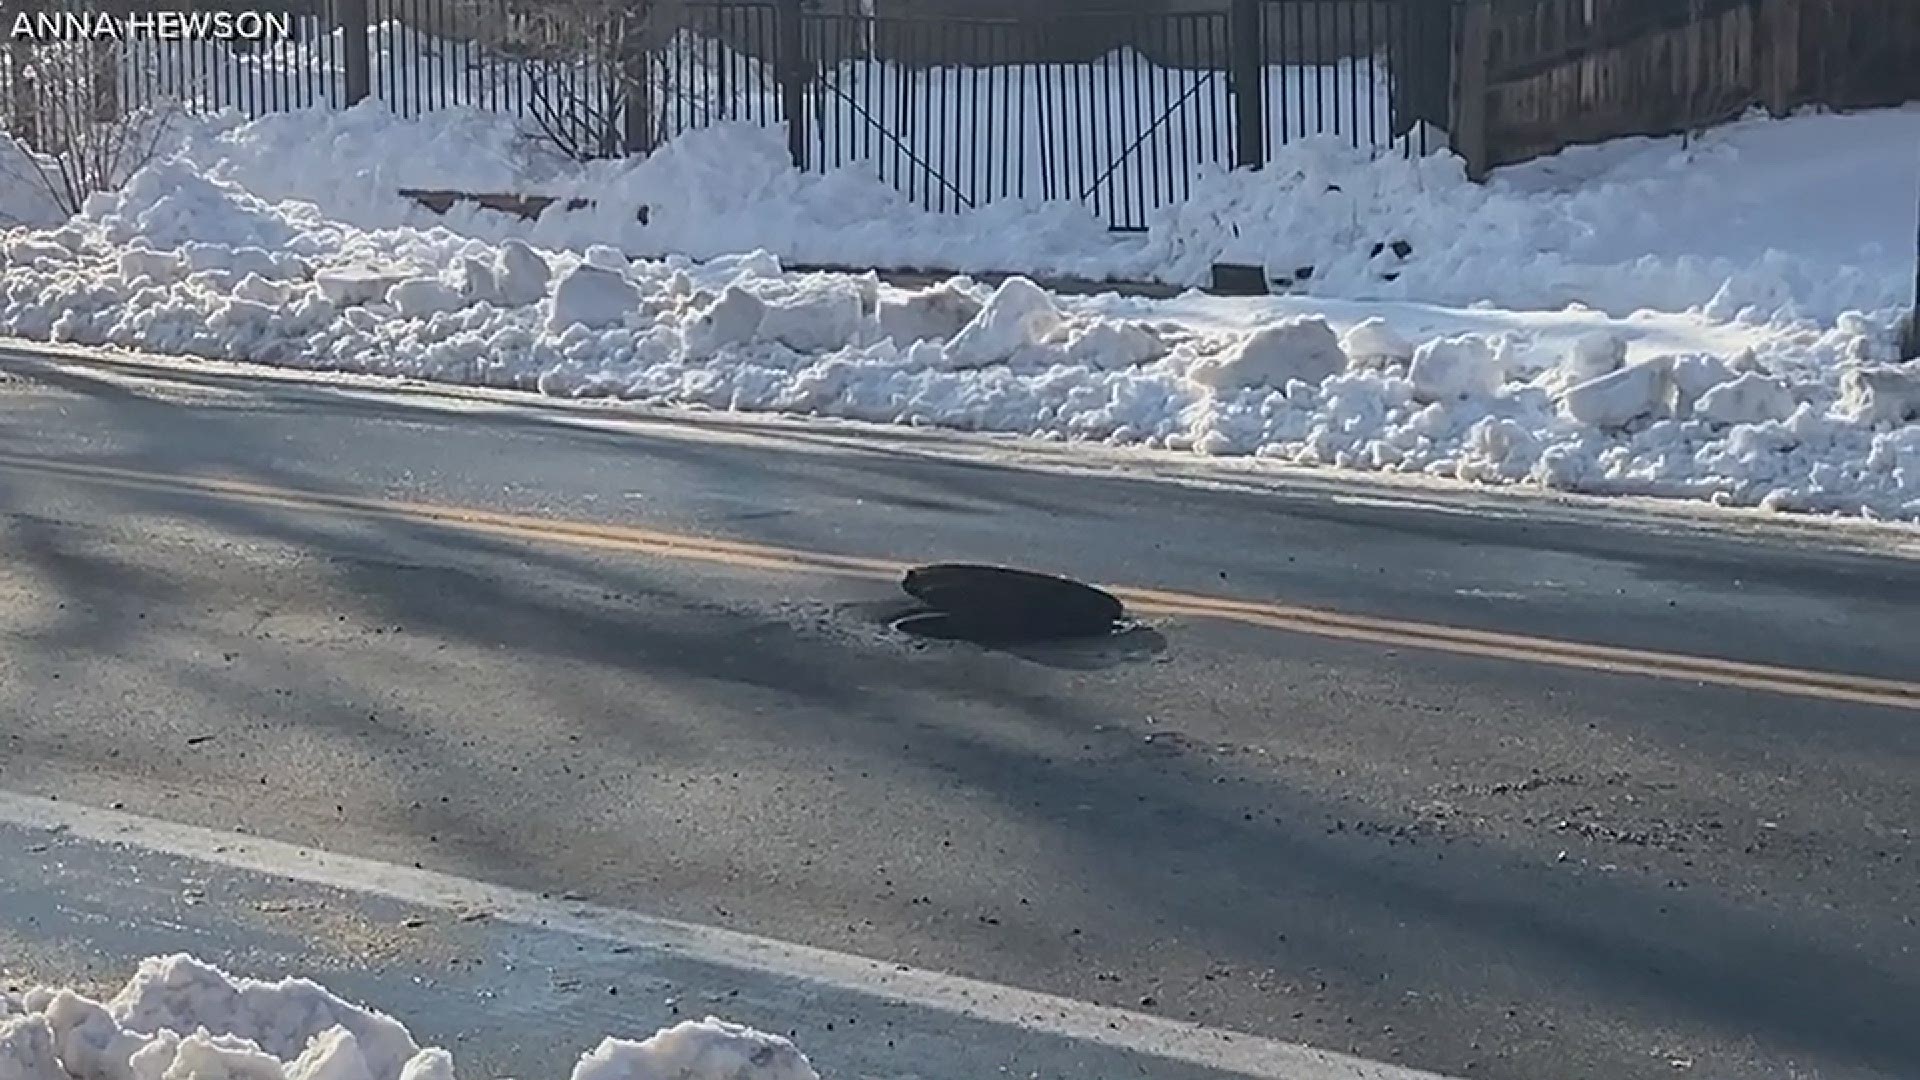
(1476, 866)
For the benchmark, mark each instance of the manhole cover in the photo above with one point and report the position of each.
(997, 604)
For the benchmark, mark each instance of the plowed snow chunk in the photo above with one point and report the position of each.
(1300, 349)
(432, 1063)
(1693, 377)
(347, 286)
(160, 266)
(1467, 366)
(1592, 356)
(478, 281)
(524, 274)
(261, 290)
(1372, 343)
(708, 1049)
(592, 297)
(418, 298)
(605, 257)
(734, 319)
(26, 1050)
(1019, 316)
(821, 315)
(1617, 399)
(1747, 399)
(1112, 346)
(934, 314)
(1882, 393)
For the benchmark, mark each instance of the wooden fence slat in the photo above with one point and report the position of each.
(1472, 100)
(1559, 77)
(1561, 72)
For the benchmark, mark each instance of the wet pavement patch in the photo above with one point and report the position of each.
(1002, 605)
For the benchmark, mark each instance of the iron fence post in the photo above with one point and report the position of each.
(22, 116)
(791, 67)
(636, 45)
(1246, 75)
(1911, 345)
(104, 71)
(355, 56)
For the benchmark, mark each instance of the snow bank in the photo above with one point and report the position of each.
(1787, 415)
(1810, 217)
(242, 245)
(180, 1019)
(711, 192)
(1758, 221)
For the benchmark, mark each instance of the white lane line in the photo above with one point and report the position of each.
(1116, 1029)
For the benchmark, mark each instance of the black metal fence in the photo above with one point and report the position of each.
(1120, 111)
(972, 117)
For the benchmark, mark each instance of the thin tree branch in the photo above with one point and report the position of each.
(78, 149)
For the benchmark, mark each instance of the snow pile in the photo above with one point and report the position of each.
(1300, 350)
(713, 191)
(346, 161)
(1786, 415)
(697, 1050)
(1806, 218)
(1456, 368)
(1759, 221)
(180, 1019)
(241, 244)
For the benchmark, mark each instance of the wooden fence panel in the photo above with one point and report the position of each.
(1858, 54)
(1565, 72)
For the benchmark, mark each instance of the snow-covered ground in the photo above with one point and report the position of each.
(1713, 319)
(180, 1019)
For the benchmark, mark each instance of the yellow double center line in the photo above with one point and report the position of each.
(1799, 682)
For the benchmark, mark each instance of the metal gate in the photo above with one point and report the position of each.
(956, 113)
(1119, 112)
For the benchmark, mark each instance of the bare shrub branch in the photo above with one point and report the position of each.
(575, 62)
(72, 135)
